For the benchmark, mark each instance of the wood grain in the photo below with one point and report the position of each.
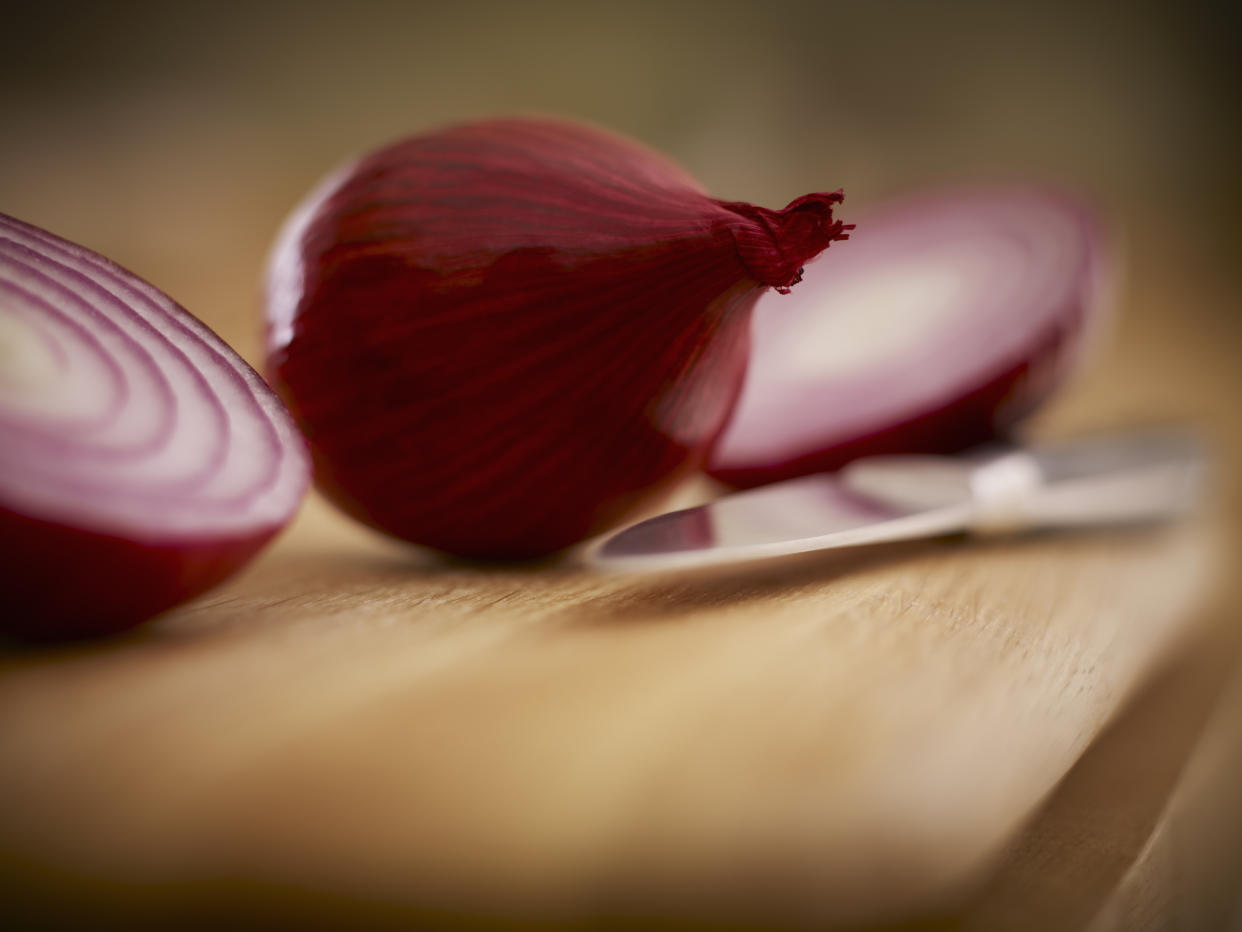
(1145, 833)
(830, 738)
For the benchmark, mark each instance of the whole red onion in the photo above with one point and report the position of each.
(503, 337)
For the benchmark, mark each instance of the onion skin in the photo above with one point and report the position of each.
(989, 403)
(142, 461)
(504, 337)
(63, 583)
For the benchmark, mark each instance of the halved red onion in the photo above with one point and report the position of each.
(141, 460)
(951, 318)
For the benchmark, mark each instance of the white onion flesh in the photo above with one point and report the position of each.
(937, 299)
(123, 414)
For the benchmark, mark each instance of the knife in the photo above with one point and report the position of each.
(1141, 476)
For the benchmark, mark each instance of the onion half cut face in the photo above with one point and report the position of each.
(141, 460)
(950, 319)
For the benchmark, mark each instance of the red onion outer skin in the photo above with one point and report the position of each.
(1014, 388)
(504, 337)
(141, 460)
(62, 582)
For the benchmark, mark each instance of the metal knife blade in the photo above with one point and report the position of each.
(1143, 475)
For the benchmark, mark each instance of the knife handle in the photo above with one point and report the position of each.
(1137, 476)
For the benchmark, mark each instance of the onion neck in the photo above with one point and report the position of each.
(774, 244)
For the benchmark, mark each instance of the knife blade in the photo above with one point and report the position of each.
(1146, 475)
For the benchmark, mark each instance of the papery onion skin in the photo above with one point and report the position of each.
(503, 337)
(988, 402)
(154, 476)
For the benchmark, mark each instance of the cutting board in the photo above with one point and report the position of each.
(352, 733)
(353, 726)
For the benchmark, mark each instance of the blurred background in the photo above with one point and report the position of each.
(192, 128)
(174, 137)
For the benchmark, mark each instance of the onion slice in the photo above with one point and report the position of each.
(951, 318)
(141, 460)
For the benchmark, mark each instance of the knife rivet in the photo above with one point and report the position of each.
(1002, 490)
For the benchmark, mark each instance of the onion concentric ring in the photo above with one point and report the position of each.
(141, 459)
(953, 316)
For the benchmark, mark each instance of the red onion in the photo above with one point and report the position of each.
(141, 461)
(503, 337)
(952, 318)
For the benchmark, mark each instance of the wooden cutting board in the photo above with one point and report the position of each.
(351, 733)
(348, 730)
